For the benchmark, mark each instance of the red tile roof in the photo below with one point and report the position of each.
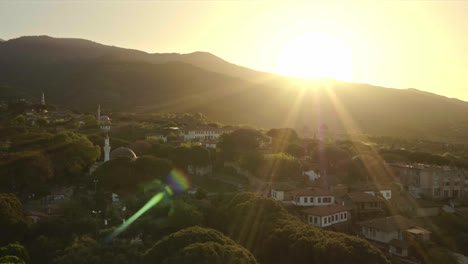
(363, 197)
(388, 224)
(326, 210)
(312, 192)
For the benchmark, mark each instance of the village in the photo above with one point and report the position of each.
(392, 212)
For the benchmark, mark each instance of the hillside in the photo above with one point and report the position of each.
(80, 74)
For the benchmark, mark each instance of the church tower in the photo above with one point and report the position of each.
(43, 99)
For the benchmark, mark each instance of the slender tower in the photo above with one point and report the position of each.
(98, 113)
(107, 148)
(43, 99)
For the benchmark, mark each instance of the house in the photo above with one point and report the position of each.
(432, 181)
(312, 197)
(211, 144)
(394, 233)
(36, 216)
(408, 205)
(157, 137)
(311, 175)
(199, 170)
(365, 206)
(327, 216)
(281, 192)
(203, 133)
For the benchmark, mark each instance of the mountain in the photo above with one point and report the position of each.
(80, 74)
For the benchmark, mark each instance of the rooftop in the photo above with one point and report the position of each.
(363, 197)
(326, 210)
(388, 224)
(312, 192)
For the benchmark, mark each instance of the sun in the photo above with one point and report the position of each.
(316, 55)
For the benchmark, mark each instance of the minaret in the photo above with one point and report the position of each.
(43, 99)
(99, 113)
(107, 148)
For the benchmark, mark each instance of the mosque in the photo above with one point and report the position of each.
(122, 152)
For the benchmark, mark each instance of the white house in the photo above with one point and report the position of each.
(311, 174)
(386, 193)
(281, 192)
(312, 197)
(210, 144)
(203, 133)
(394, 231)
(157, 137)
(385, 229)
(325, 216)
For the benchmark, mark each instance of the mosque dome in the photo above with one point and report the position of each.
(123, 152)
(104, 118)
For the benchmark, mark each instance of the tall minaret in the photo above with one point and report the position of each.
(107, 148)
(99, 113)
(43, 99)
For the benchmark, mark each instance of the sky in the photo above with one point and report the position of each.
(398, 44)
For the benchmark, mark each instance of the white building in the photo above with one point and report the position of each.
(325, 216)
(157, 137)
(312, 197)
(386, 194)
(311, 174)
(394, 231)
(281, 192)
(203, 133)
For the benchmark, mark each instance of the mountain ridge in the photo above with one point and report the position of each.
(81, 74)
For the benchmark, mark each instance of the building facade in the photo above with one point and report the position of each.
(326, 216)
(203, 133)
(312, 197)
(432, 181)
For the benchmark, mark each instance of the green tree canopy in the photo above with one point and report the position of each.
(197, 245)
(16, 250)
(239, 142)
(13, 222)
(184, 215)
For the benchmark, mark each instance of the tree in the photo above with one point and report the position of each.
(266, 229)
(13, 222)
(19, 120)
(16, 250)
(240, 141)
(282, 167)
(282, 138)
(25, 172)
(72, 153)
(197, 245)
(183, 215)
(199, 156)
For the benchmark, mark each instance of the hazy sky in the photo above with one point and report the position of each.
(400, 44)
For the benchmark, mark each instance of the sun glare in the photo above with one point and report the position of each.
(316, 55)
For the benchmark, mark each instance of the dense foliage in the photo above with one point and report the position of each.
(198, 245)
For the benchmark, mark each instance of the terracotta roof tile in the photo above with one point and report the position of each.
(311, 192)
(326, 210)
(388, 224)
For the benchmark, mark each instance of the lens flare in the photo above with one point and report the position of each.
(178, 181)
(152, 202)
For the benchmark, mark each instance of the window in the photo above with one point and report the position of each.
(398, 250)
(319, 200)
(315, 219)
(326, 220)
(305, 199)
(345, 215)
(311, 199)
